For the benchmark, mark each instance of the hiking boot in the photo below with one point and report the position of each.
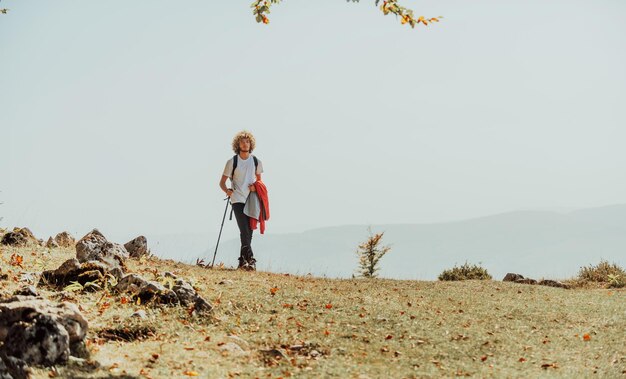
(242, 263)
(251, 264)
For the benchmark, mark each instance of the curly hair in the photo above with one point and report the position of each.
(243, 135)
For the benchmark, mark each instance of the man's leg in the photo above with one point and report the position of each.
(246, 259)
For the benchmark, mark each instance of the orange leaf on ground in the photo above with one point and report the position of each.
(273, 290)
(586, 337)
(191, 373)
(522, 359)
(329, 306)
(326, 332)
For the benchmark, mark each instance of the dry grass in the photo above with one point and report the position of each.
(309, 327)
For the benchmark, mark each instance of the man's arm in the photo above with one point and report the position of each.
(252, 188)
(226, 190)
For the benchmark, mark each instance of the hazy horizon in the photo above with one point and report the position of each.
(119, 115)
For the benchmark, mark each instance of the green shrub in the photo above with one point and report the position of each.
(604, 272)
(465, 272)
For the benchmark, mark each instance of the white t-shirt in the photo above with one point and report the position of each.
(244, 176)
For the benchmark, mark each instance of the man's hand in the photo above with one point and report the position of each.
(229, 192)
(252, 188)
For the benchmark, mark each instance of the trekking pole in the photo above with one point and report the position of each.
(218, 237)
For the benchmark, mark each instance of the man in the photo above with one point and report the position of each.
(248, 170)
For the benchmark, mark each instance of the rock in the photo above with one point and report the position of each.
(51, 244)
(137, 247)
(40, 341)
(146, 290)
(182, 292)
(187, 295)
(95, 247)
(511, 277)
(27, 290)
(64, 239)
(20, 308)
(526, 281)
(140, 313)
(19, 237)
(553, 283)
(239, 341)
(73, 271)
(232, 348)
(13, 368)
(28, 277)
(201, 305)
(39, 332)
(185, 292)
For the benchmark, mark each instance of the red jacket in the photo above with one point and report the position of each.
(261, 192)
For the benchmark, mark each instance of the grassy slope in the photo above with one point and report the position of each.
(360, 328)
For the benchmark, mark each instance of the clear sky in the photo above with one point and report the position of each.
(119, 114)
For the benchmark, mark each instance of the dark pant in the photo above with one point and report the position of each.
(245, 232)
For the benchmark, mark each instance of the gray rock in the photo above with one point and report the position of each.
(13, 368)
(28, 277)
(52, 243)
(95, 247)
(201, 305)
(64, 239)
(73, 271)
(41, 340)
(25, 309)
(27, 290)
(553, 283)
(526, 281)
(232, 349)
(137, 247)
(239, 341)
(140, 314)
(511, 277)
(19, 237)
(146, 289)
(185, 292)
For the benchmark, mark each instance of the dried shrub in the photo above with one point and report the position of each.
(604, 272)
(465, 272)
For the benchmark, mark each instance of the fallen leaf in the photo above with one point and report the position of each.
(522, 359)
(586, 337)
(329, 306)
(273, 290)
(191, 373)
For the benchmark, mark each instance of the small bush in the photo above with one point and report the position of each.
(604, 272)
(465, 272)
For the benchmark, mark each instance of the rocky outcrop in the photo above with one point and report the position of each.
(177, 291)
(137, 247)
(95, 247)
(39, 332)
(520, 279)
(52, 243)
(64, 239)
(553, 283)
(511, 277)
(74, 271)
(19, 237)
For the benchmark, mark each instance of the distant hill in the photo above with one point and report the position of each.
(533, 243)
